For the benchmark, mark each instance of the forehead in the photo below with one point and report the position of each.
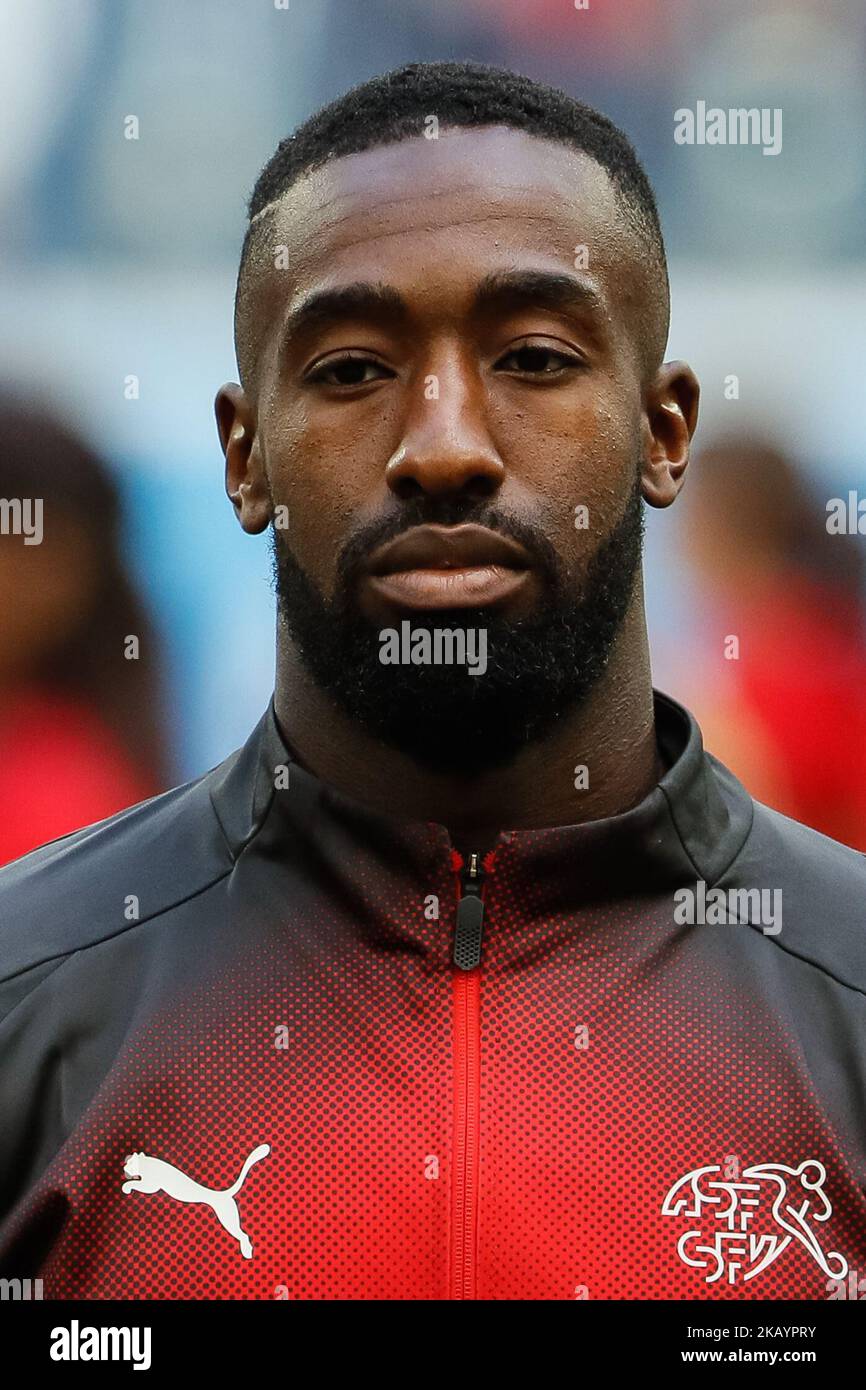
(432, 217)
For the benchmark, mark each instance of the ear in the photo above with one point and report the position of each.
(670, 417)
(246, 483)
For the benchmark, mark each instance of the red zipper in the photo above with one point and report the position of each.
(466, 1033)
(464, 1192)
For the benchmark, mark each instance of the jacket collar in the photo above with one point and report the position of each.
(690, 826)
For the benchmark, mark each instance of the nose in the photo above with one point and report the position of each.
(446, 447)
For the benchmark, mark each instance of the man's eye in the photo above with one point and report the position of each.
(348, 371)
(539, 361)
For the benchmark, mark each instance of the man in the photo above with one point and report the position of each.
(471, 975)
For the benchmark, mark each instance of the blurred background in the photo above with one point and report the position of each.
(117, 278)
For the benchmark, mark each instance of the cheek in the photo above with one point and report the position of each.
(576, 464)
(326, 490)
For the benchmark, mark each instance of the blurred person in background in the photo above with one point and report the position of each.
(80, 734)
(783, 704)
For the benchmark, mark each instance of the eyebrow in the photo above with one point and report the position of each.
(359, 300)
(547, 289)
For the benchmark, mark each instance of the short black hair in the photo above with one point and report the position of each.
(396, 105)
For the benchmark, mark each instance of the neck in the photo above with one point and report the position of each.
(612, 734)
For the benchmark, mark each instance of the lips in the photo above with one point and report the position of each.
(447, 548)
(448, 567)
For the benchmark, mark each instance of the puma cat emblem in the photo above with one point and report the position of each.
(148, 1174)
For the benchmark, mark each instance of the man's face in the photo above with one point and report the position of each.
(468, 393)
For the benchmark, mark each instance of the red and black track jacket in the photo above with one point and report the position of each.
(259, 1042)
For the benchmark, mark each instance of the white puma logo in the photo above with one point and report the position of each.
(148, 1174)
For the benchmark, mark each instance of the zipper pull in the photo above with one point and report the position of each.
(470, 917)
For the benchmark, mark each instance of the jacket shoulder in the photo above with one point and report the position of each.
(108, 877)
(823, 892)
(818, 859)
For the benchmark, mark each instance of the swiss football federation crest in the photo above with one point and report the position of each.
(738, 1227)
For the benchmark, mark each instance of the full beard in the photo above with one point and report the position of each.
(539, 668)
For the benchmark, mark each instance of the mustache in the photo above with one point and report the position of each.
(421, 511)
